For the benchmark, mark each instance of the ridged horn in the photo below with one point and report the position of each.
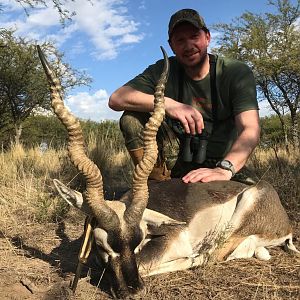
(140, 193)
(105, 216)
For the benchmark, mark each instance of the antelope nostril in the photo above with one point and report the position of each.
(134, 290)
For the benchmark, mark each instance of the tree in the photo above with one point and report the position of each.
(23, 85)
(44, 129)
(271, 133)
(269, 43)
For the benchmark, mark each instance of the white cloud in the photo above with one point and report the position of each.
(106, 24)
(91, 106)
(44, 17)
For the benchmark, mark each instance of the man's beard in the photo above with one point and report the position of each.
(199, 63)
(203, 55)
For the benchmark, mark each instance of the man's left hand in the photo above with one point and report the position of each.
(207, 175)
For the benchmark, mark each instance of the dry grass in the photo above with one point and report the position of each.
(114, 161)
(40, 237)
(282, 170)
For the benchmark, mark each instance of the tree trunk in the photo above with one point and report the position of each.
(285, 133)
(263, 85)
(295, 130)
(18, 128)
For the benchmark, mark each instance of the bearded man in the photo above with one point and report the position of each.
(210, 103)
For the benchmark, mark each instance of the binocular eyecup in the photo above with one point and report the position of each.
(194, 146)
(194, 149)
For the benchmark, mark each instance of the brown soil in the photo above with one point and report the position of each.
(39, 261)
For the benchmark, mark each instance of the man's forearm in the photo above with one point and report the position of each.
(247, 124)
(242, 148)
(126, 98)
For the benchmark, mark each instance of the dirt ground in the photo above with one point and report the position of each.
(40, 260)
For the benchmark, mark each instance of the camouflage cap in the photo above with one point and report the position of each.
(186, 15)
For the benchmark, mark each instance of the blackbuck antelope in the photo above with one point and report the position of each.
(170, 225)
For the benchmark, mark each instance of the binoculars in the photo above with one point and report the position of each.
(194, 146)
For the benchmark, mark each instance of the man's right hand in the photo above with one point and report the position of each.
(190, 118)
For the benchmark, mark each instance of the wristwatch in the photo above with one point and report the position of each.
(226, 165)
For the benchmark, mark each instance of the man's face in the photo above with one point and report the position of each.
(189, 44)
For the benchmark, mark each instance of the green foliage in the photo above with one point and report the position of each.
(44, 129)
(271, 132)
(23, 84)
(39, 129)
(108, 131)
(49, 209)
(48, 129)
(269, 43)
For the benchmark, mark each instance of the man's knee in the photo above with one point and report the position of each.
(133, 122)
(132, 125)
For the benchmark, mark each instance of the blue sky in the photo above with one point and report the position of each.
(114, 40)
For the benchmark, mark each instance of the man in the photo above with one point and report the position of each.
(213, 98)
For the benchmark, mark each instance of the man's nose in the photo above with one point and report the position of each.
(188, 45)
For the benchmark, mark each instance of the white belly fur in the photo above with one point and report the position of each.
(199, 235)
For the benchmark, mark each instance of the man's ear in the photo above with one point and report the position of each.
(208, 37)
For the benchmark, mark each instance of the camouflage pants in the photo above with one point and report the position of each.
(132, 125)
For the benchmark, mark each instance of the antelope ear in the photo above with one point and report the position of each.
(72, 197)
(158, 226)
(157, 219)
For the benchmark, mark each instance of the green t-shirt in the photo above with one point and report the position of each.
(236, 92)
